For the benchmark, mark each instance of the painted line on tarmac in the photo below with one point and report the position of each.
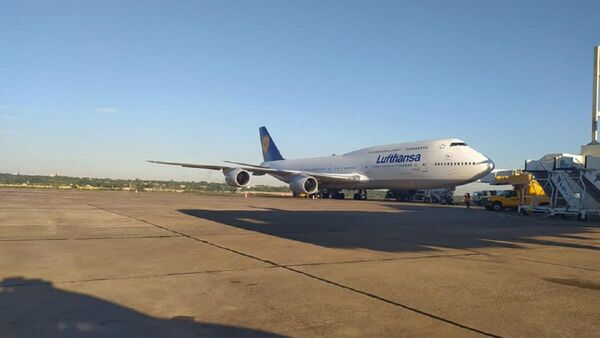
(321, 279)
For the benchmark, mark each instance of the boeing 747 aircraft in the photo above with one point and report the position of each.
(398, 167)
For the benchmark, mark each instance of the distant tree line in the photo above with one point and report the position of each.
(126, 184)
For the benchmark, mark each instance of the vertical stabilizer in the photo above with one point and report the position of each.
(269, 149)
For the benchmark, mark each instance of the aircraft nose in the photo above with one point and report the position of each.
(490, 165)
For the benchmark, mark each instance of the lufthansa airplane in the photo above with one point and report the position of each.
(398, 167)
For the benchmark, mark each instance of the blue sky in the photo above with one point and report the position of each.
(95, 88)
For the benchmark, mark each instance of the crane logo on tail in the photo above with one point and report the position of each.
(266, 140)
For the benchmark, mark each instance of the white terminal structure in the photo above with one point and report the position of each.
(572, 181)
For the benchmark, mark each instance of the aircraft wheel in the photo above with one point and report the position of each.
(361, 195)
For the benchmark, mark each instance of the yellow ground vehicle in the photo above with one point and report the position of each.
(527, 192)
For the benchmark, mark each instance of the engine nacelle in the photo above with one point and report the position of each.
(302, 184)
(236, 177)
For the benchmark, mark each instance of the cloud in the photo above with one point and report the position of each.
(107, 110)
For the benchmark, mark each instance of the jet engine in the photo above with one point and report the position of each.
(304, 185)
(236, 177)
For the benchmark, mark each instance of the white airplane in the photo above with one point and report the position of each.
(398, 167)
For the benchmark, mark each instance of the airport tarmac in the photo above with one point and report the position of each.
(120, 264)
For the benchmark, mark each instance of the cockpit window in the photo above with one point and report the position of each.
(454, 144)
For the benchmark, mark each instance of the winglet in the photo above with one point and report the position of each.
(269, 149)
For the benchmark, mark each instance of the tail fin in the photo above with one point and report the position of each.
(269, 149)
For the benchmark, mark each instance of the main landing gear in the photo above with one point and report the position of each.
(333, 194)
(360, 195)
(337, 195)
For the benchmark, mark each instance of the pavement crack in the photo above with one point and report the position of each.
(189, 236)
(386, 259)
(306, 274)
(171, 274)
(84, 238)
(535, 261)
(389, 301)
(473, 251)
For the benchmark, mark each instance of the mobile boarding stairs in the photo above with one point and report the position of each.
(571, 181)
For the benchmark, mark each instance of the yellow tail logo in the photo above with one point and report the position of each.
(265, 144)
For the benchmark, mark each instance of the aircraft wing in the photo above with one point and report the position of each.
(280, 173)
(246, 164)
(248, 167)
(189, 165)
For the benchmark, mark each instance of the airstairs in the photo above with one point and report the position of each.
(571, 181)
(591, 179)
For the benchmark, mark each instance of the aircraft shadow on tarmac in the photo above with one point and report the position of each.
(35, 308)
(404, 228)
